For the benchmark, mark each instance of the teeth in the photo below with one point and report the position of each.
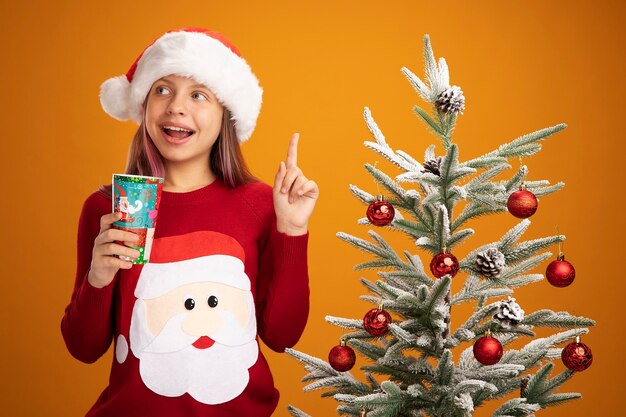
(178, 129)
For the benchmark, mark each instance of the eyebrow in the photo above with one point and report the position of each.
(195, 86)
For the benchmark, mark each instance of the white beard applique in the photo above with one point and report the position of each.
(211, 376)
(197, 338)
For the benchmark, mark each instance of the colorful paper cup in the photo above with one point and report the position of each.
(137, 198)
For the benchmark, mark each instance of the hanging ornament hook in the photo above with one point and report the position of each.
(379, 195)
(575, 326)
(561, 255)
(523, 184)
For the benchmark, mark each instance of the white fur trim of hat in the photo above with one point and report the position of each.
(195, 257)
(203, 55)
(158, 279)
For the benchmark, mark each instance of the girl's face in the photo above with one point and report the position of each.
(183, 118)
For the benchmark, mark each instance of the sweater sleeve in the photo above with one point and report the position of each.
(284, 289)
(87, 325)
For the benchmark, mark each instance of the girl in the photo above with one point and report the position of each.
(229, 258)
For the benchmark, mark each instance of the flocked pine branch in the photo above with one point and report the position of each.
(296, 412)
(561, 319)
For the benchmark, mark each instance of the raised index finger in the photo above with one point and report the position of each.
(292, 152)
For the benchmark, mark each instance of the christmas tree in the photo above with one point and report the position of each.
(406, 339)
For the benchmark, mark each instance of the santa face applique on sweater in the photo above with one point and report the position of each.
(193, 325)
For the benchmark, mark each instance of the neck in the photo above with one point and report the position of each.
(187, 176)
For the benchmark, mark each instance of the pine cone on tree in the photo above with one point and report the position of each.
(490, 262)
(509, 313)
(451, 100)
(464, 403)
(433, 166)
(523, 386)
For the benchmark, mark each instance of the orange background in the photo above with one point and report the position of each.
(522, 66)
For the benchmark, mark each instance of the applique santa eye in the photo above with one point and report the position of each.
(193, 325)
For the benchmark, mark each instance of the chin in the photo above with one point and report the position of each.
(179, 156)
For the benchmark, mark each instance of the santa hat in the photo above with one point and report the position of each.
(207, 57)
(203, 256)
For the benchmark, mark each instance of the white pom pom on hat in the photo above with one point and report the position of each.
(207, 57)
(114, 94)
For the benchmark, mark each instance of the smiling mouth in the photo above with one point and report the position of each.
(177, 132)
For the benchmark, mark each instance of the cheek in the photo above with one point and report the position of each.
(159, 311)
(150, 117)
(153, 111)
(238, 307)
(211, 119)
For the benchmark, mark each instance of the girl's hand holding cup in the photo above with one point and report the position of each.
(105, 261)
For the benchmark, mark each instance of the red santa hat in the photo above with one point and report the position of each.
(207, 57)
(203, 256)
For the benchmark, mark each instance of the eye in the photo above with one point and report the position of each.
(190, 303)
(199, 96)
(161, 90)
(212, 301)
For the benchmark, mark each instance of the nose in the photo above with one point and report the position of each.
(177, 105)
(201, 323)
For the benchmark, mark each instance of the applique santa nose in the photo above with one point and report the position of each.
(201, 321)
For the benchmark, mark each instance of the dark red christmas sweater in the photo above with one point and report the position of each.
(185, 327)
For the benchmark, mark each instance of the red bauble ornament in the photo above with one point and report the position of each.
(444, 264)
(376, 321)
(577, 356)
(342, 357)
(560, 273)
(522, 203)
(488, 350)
(380, 212)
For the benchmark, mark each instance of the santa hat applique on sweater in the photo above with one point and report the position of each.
(202, 256)
(207, 57)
